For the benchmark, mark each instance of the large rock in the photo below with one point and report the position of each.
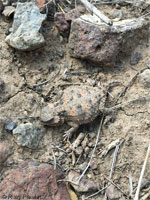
(95, 41)
(28, 135)
(26, 26)
(32, 180)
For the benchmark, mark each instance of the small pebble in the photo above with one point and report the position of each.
(93, 165)
(79, 150)
(90, 144)
(92, 135)
(87, 150)
(144, 78)
(10, 126)
(135, 58)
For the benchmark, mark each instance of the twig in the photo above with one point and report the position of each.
(131, 184)
(146, 196)
(54, 158)
(94, 10)
(114, 161)
(130, 83)
(60, 8)
(115, 186)
(127, 102)
(142, 174)
(96, 193)
(98, 134)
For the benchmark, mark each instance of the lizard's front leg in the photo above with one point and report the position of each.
(69, 133)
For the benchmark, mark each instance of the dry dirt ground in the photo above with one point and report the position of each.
(21, 71)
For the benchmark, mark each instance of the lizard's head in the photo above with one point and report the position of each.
(50, 116)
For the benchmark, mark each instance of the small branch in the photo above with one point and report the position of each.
(115, 185)
(114, 163)
(98, 134)
(131, 184)
(142, 174)
(94, 10)
(128, 102)
(96, 193)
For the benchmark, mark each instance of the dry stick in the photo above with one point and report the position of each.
(142, 174)
(94, 10)
(115, 185)
(130, 83)
(92, 195)
(130, 101)
(131, 184)
(55, 162)
(113, 163)
(98, 134)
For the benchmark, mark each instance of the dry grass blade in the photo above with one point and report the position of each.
(142, 174)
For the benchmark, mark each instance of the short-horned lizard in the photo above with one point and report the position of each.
(78, 105)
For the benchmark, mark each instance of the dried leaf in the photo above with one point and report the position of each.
(72, 194)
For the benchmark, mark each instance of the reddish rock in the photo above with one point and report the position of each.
(87, 41)
(63, 21)
(5, 151)
(95, 41)
(34, 181)
(62, 25)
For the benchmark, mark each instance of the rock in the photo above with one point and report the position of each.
(10, 126)
(8, 11)
(32, 180)
(144, 78)
(95, 41)
(94, 164)
(62, 25)
(5, 151)
(79, 150)
(85, 185)
(26, 26)
(135, 58)
(62, 21)
(28, 135)
(113, 193)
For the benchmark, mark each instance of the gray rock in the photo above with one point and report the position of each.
(28, 135)
(95, 41)
(10, 126)
(144, 78)
(26, 26)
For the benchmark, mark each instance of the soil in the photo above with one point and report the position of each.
(23, 95)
